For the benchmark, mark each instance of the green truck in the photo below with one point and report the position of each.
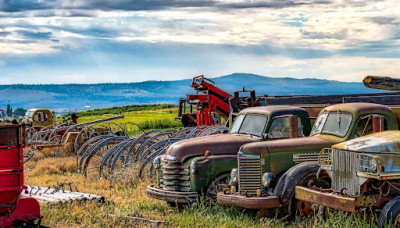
(195, 167)
(265, 177)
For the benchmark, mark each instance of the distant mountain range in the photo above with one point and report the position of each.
(71, 97)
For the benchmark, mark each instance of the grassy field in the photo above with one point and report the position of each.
(148, 119)
(128, 197)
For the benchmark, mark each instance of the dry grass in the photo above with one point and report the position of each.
(127, 197)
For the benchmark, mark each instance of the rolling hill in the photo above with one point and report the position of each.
(77, 96)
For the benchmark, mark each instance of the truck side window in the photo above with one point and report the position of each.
(280, 128)
(364, 126)
(39, 116)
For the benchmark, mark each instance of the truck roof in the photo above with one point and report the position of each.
(38, 109)
(359, 108)
(381, 142)
(274, 110)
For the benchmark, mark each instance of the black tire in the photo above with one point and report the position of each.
(390, 214)
(214, 187)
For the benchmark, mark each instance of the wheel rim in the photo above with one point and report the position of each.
(304, 208)
(215, 187)
(397, 221)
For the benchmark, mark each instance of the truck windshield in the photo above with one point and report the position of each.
(333, 123)
(29, 114)
(249, 124)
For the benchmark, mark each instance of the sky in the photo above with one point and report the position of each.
(96, 41)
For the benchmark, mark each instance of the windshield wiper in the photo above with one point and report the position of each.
(248, 133)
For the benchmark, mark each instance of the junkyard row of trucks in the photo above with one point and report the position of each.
(298, 154)
(285, 156)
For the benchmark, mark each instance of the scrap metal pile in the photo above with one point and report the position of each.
(108, 149)
(109, 156)
(59, 195)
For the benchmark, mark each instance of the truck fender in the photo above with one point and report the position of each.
(208, 168)
(284, 189)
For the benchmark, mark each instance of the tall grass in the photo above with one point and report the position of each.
(160, 124)
(122, 109)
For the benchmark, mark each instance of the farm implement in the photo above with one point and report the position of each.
(212, 103)
(110, 156)
(14, 210)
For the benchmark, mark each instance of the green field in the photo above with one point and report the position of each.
(148, 119)
(128, 198)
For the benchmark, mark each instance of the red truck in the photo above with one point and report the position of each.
(14, 210)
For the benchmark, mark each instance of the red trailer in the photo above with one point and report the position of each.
(14, 211)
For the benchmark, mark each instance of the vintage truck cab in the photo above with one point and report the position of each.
(265, 178)
(364, 174)
(199, 166)
(41, 117)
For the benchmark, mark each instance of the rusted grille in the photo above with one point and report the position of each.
(305, 157)
(174, 176)
(344, 167)
(249, 173)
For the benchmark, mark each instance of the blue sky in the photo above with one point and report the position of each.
(77, 41)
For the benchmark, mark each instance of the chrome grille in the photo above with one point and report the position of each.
(344, 172)
(174, 176)
(249, 173)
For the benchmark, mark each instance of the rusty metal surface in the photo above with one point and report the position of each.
(171, 196)
(331, 199)
(248, 202)
(277, 146)
(274, 110)
(216, 144)
(11, 134)
(360, 108)
(381, 142)
(380, 82)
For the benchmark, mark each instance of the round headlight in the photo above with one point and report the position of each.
(156, 163)
(234, 176)
(267, 178)
(193, 167)
(374, 165)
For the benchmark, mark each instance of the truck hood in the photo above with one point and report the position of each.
(386, 141)
(216, 144)
(306, 144)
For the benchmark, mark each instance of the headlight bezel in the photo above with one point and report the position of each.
(267, 179)
(234, 176)
(156, 162)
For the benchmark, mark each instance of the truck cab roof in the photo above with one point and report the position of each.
(358, 109)
(275, 110)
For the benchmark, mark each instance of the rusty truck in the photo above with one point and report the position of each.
(265, 177)
(363, 173)
(176, 183)
(201, 165)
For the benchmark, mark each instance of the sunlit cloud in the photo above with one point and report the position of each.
(271, 35)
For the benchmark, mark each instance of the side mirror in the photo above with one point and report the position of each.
(378, 123)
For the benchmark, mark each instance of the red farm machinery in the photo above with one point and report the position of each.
(14, 210)
(212, 103)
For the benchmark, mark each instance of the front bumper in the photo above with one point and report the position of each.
(172, 196)
(327, 199)
(248, 202)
